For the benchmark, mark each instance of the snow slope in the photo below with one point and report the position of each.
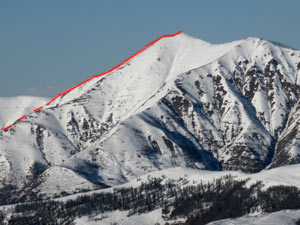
(277, 218)
(120, 217)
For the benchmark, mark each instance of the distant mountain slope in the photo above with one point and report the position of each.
(12, 108)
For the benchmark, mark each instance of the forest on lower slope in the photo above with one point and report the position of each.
(197, 203)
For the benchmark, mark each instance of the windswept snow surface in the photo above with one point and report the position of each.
(121, 218)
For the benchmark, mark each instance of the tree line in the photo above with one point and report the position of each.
(197, 203)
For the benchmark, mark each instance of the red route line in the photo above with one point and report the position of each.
(6, 128)
(37, 109)
(99, 75)
(23, 117)
(116, 67)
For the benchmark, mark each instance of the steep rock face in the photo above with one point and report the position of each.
(182, 102)
(238, 105)
(287, 149)
(222, 120)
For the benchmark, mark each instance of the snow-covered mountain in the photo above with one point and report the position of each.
(181, 102)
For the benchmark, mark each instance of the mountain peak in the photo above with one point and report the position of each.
(262, 41)
(188, 38)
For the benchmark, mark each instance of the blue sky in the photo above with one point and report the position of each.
(49, 46)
